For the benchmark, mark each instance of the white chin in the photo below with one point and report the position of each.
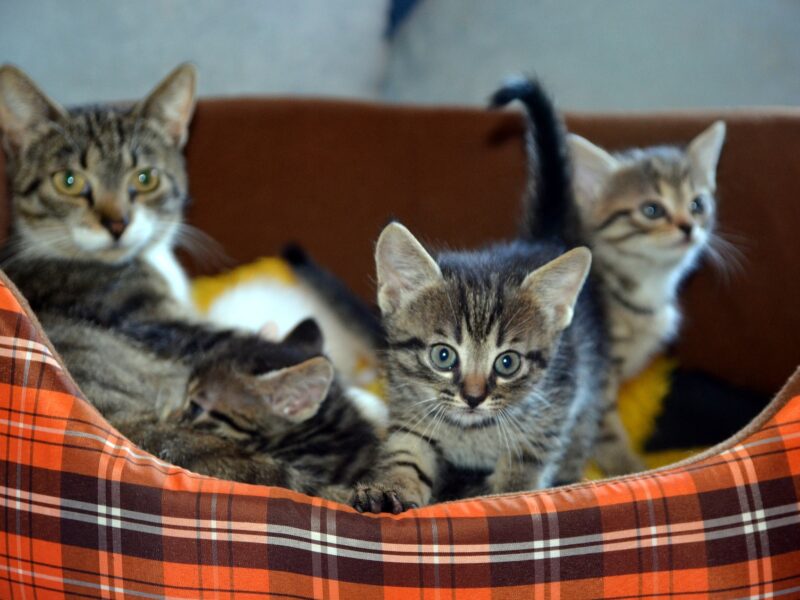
(467, 417)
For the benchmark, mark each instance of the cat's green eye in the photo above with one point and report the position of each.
(507, 364)
(443, 357)
(697, 206)
(145, 180)
(653, 210)
(69, 182)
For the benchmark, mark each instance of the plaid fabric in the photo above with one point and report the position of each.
(86, 514)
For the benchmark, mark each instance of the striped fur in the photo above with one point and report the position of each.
(470, 428)
(92, 266)
(642, 260)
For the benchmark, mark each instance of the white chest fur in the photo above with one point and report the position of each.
(163, 260)
(636, 338)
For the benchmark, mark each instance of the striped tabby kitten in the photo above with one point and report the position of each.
(98, 196)
(494, 356)
(649, 215)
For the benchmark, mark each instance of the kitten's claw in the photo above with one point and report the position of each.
(376, 498)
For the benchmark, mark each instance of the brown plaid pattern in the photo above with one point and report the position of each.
(85, 514)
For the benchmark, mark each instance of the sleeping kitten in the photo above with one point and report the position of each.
(98, 196)
(343, 440)
(494, 356)
(649, 215)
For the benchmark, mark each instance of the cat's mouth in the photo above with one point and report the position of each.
(469, 417)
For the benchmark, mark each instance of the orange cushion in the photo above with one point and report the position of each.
(86, 513)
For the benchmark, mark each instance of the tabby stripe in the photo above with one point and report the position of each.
(422, 477)
(31, 187)
(528, 459)
(634, 308)
(412, 343)
(403, 429)
(606, 438)
(628, 236)
(230, 422)
(612, 218)
(395, 453)
(537, 358)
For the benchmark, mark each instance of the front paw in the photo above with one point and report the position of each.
(378, 498)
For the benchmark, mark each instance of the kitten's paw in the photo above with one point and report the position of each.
(377, 498)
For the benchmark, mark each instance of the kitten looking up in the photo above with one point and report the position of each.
(649, 215)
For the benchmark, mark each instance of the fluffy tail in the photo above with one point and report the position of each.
(345, 304)
(550, 210)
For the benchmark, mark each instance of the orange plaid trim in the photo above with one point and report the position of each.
(86, 514)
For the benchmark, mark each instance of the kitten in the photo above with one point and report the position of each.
(649, 215)
(336, 445)
(494, 356)
(98, 196)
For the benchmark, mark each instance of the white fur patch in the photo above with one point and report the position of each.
(252, 304)
(163, 260)
(372, 408)
(90, 240)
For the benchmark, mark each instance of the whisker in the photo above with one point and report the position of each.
(728, 258)
(204, 250)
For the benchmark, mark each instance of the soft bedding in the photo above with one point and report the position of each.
(86, 514)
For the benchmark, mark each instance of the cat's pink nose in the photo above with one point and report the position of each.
(116, 227)
(473, 390)
(687, 229)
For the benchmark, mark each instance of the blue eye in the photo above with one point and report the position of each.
(507, 364)
(653, 210)
(697, 206)
(443, 357)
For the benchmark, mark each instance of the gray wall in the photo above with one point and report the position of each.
(594, 54)
(603, 54)
(86, 50)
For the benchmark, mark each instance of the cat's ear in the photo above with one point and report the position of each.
(297, 392)
(704, 151)
(403, 266)
(23, 107)
(307, 335)
(171, 103)
(592, 166)
(556, 285)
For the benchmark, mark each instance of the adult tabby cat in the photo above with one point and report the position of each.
(98, 195)
(495, 356)
(649, 215)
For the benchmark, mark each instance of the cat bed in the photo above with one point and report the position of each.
(87, 514)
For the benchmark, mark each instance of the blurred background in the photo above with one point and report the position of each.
(593, 54)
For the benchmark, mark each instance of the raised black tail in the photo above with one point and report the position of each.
(343, 301)
(550, 210)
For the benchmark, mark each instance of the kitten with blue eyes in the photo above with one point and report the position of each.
(649, 215)
(496, 358)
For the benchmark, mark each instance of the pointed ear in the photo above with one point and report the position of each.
(171, 103)
(592, 166)
(704, 151)
(556, 285)
(23, 107)
(307, 335)
(297, 392)
(404, 267)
